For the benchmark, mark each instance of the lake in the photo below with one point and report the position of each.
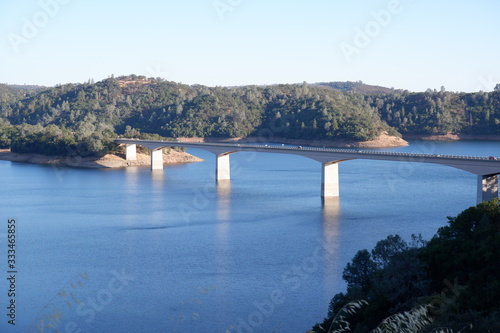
(131, 250)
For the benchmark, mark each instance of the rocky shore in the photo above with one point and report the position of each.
(107, 161)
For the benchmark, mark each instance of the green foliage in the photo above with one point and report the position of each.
(357, 87)
(133, 104)
(449, 284)
(52, 140)
(359, 273)
(442, 112)
(5, 133)
(467, 251)
(387, 249)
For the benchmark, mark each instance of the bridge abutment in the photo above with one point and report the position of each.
(223, 167)
(487, 188)
(330, 180)
(157, 159)
(131, 152)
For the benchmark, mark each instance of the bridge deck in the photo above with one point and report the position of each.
(236, 147)
(487, 168)
(479, 165)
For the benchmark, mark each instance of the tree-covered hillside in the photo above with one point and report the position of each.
(440, 112)
(95, 112)
(449, 284)
(47, 120)
(357, 87)
(12, 93)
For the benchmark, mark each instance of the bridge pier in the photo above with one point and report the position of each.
(487, 188)
(223, 167)
(157, 159)
(330, 180)
(131, 152)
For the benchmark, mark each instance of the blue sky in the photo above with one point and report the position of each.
(407, 44)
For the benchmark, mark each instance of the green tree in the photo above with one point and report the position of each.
(359, 272)
(451, 281)
(386, 249)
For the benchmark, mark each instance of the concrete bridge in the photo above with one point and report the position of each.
(485, 168)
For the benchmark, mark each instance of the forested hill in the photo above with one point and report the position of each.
(358, 87)
(48, 120)
(12, 93)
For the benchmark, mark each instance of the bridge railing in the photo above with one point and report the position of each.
(334, 150)
(364, 152)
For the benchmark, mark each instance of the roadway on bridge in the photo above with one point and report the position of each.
(479, 165)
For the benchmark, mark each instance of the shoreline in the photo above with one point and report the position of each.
(383, 141)
(108, 161)
(175, 157)
(451, 137)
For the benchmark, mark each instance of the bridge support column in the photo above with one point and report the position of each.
(223, 168)
(157, 159)
(131, 152)
(330, 180)
(487, 188)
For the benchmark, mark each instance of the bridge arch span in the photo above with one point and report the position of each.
(487, 169)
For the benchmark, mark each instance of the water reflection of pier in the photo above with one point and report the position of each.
(331, 245)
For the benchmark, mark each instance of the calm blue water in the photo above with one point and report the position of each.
(134, 251)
